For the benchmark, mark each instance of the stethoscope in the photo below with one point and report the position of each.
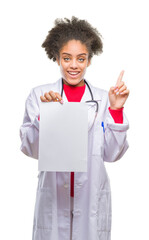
(90, 101)
(90, 94)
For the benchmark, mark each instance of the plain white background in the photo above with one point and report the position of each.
(24, 64)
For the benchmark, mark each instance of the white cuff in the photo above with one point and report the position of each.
(36, 123)
(117, 126)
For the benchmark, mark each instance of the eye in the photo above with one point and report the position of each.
(66, 59)
(81, 59)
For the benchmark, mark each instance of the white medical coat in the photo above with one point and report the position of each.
(92, 195)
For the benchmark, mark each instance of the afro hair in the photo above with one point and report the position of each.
(66, 30)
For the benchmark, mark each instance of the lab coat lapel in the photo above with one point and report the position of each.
(86, 95)
(59, 82)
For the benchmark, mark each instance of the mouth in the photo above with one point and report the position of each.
(73, 74)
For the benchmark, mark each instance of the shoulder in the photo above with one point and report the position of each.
(99, 93)
(40, 90)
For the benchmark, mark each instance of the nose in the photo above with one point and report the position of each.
(73, 64)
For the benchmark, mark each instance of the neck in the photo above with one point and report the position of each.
(81, 83)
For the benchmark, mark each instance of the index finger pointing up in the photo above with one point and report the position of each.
(120, 78)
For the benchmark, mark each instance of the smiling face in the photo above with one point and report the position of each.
(73, 61)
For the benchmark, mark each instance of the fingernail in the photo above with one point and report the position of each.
(117, 93)
(61, 101)
(116, 90)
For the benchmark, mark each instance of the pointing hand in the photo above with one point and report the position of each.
(118, 94)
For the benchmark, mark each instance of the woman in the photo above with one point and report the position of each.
(76, 205)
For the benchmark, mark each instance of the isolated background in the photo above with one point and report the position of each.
(24, 65)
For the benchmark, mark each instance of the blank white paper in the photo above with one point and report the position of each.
(63, 137)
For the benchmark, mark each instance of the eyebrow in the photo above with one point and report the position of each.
(77, 55)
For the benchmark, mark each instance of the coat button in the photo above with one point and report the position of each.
(66, 185)
(79, 184)
(76, 213)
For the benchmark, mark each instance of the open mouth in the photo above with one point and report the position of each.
(73, 74)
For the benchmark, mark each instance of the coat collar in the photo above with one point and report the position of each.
(86, 95)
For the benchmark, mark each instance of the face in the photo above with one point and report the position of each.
(73, 62)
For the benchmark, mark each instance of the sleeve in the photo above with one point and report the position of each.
(29, 130)
(117, 115)
(115, 138)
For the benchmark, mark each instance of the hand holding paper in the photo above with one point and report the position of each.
(51, 96)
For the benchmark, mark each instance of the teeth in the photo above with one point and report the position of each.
(73, 73)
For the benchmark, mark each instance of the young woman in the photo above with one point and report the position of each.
(76, 205)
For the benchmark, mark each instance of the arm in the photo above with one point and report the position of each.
(115, 143)
(29, 131)
(117, 115)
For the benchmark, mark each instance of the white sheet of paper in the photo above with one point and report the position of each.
(63, 137)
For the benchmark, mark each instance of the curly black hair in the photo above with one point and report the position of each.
(65, 30)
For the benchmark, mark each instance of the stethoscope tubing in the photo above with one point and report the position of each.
(90, 94)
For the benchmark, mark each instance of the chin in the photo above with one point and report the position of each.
(73, 82)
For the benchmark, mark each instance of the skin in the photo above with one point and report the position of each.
(74, 57)
(118, 94)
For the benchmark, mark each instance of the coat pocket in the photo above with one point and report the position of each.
(98, 139)
(43, 209)
(104, 211)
